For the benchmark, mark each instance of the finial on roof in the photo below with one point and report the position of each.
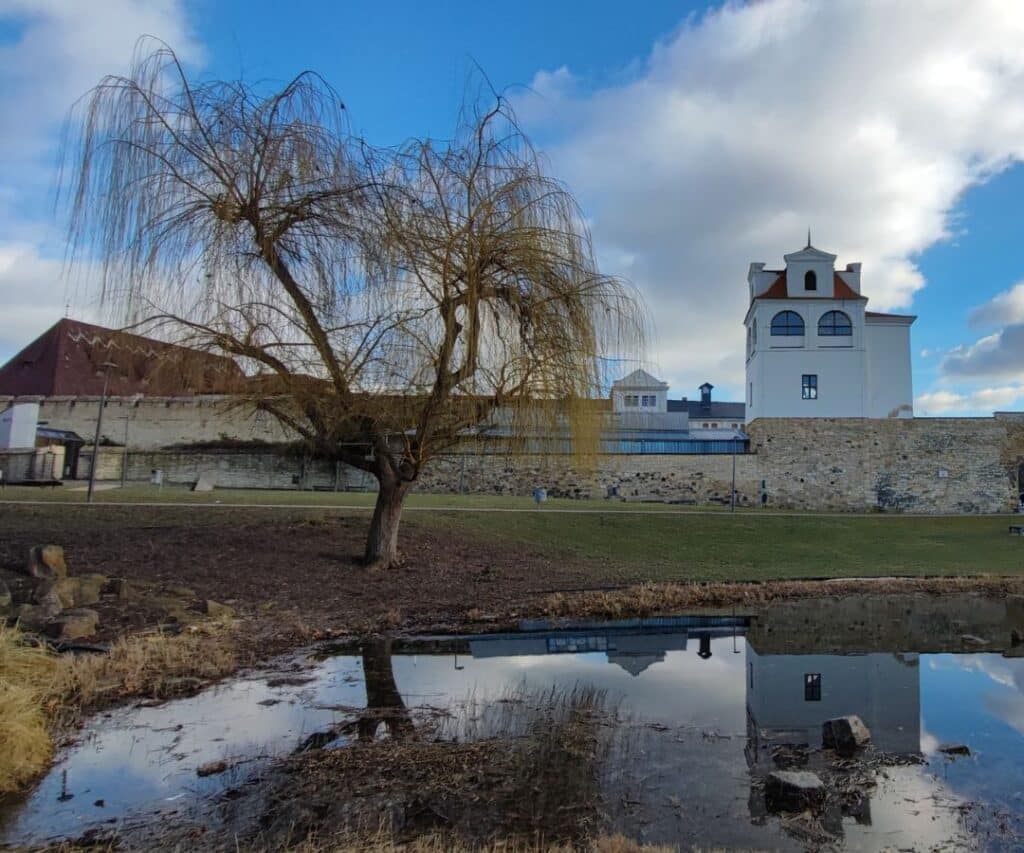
(808, 239)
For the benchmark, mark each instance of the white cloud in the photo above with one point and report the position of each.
(1000, 354)
(863, 120)
(34, 294)
(60, 49)
(980, 401)
(1006, 307)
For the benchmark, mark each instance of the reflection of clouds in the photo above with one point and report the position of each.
(929, 743)
(1006, 703)
(139, 756)
(910, 809)
(682, 689)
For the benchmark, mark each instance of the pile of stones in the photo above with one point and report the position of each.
(46, 599)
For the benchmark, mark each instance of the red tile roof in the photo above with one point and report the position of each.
(840, 289)
(68, 358)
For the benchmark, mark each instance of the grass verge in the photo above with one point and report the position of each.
(28, 676)
(648, 599)
(42, 693)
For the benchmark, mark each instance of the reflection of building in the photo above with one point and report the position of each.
(633, 645)
(790, 696)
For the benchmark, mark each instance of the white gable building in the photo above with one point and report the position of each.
(814, 351)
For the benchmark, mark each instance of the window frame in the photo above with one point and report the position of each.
(834, 329)
(783, 325)
(631, 401)
(812, 686)
(648, 401)
(809, 386)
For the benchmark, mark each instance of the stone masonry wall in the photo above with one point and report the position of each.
(158, 422)
(930, 465)
(693, 479)
(689, 479)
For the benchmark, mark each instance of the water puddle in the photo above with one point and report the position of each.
(710, 705)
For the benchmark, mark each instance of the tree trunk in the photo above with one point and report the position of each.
(384, 703)
(382, 541)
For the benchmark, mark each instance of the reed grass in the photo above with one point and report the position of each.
(28, 675)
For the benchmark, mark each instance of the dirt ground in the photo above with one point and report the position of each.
(294, 570)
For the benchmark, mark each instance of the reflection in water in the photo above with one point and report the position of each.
(708, 709)
(384, 703)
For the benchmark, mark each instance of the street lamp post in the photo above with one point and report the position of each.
(99, 426)
(732, 496)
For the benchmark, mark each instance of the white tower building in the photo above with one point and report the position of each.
(814, 351)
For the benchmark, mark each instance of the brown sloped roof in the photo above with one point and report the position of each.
(68, 358)
(840, 289)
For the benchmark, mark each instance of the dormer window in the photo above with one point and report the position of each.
(810, 280)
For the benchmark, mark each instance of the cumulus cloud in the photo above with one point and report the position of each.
(1005, 307)
(980, 401)
(35, 293)
(1000, 354)
(863, 120)
(59, 49)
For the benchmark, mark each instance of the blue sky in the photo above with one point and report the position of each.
(698, 136)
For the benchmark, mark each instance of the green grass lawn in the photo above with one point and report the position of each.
(623, 542)
(751, 547)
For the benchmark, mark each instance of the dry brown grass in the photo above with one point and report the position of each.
(41, 692)
(155, 666)
(28, 675)
(651, 598)
(384, 843)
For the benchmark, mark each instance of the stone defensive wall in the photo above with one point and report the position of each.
(926, 465)
(929, 465)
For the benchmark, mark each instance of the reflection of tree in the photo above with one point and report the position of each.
(384, 704)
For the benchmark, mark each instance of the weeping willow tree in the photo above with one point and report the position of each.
(385, 303)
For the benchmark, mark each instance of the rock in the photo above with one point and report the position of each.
(206, 482)
(6, 601)
(120, 588)
(31, 617)
(211, 768)
(45, 604)
(845, 734)
(972, 640)
(73, 624)
(182, 684)
(793, 791)
(46, 561)
(179, 591)
(955, 749)
(216, 610)
(78, 591)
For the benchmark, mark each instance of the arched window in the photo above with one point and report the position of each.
(835, 324)
(787, 323)
(810, 280)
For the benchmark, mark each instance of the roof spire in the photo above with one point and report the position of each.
(808, 239)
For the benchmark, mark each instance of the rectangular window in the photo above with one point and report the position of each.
(649, 401)
(812, 687)
(809, 386)
(632, 401)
